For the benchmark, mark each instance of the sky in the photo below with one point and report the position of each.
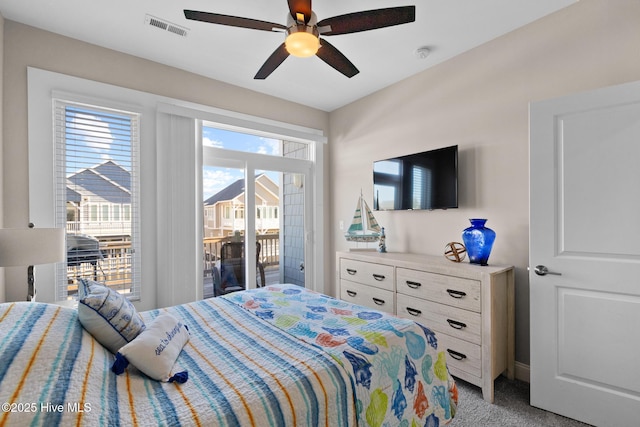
(215, 179)
(94, 138)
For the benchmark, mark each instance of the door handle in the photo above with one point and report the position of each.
(541, 270)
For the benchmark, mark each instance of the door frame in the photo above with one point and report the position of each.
(250, 162)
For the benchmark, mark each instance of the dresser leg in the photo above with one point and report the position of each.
(487, 390)
(511, 322)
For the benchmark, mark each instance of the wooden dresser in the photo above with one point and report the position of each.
(470, 307)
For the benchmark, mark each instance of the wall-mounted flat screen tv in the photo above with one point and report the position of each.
(427, 180)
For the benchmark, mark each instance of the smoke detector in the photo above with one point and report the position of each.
(422, 52)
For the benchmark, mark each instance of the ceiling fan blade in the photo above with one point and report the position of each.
(232, 21)
(276, 58)
(332, 56)
(300, 6)
(368, 20)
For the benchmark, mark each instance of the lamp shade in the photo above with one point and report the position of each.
(31, 246)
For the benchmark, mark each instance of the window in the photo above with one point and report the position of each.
(173, 273)
(105, 213)
(93, 213)
(96, 173)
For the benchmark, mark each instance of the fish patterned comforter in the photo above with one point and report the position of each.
(399, 374)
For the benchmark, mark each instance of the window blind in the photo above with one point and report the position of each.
(421, 197)
(97, 196)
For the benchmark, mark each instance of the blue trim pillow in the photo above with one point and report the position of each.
(156, 350)
(107, 315)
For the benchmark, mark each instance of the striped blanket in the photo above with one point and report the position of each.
(244, 370)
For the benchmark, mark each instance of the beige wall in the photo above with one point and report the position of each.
(2, 293)
(27, 46)
(479, 100)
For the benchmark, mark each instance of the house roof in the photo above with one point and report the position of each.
(107, 180)
(232, 191)
(115, 173)
(228, 193)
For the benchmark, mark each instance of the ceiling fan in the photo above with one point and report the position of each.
(303, 31)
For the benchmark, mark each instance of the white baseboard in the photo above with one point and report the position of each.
(522, 372)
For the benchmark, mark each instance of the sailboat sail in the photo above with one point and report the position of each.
(357, 231)
(356, 223)
(371, 220)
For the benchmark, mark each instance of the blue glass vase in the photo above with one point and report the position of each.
(478, 240)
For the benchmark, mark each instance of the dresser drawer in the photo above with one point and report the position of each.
(458, 323)
(378, 275)
(450, 290)
(357, 293)
(461, 355)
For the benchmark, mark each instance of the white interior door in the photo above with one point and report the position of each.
(585, 226)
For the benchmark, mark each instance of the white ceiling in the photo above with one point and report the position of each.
(234, 55)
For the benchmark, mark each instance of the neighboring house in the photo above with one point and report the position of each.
(224, 211)
(99, 202)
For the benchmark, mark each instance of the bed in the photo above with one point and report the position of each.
(275, 356)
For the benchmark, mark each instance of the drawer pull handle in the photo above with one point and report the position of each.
(456, 355)
(352, 293)
(414, 285)
(413, 311)
(378, 277)
(456, 294)
(378, 301)
(456, 325)
(351, 271)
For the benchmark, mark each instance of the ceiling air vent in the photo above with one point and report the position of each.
(166, 25)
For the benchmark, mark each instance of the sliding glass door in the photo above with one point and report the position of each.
(256, 215)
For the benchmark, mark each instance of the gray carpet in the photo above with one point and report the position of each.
(510, 408)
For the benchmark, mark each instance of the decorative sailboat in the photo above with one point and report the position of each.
(358, 232)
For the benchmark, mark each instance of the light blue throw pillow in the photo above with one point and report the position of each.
(107, 315)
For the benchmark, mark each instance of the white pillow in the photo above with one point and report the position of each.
(107, 315)
(156, 349)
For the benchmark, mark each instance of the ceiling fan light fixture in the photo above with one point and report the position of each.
(302, 41)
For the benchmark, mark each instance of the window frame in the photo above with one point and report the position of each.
(164, 280)
(104, 209)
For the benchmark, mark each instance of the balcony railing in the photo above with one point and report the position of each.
(269, 252)
(114, 268)
(100, 228)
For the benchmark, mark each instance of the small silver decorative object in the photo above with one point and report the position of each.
(382, 246)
